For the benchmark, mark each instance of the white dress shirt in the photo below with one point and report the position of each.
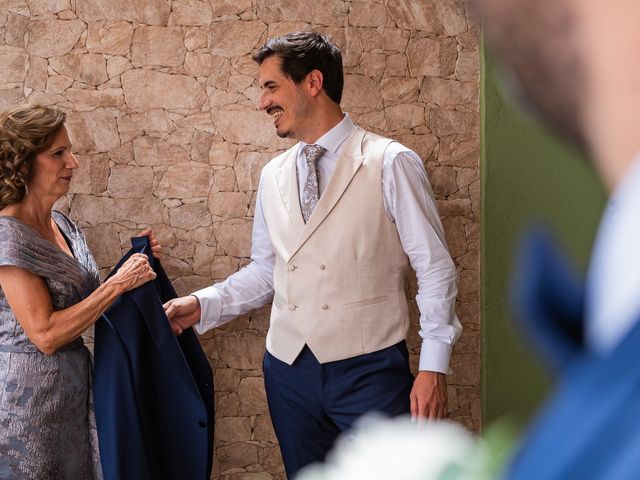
(613, 280)
(409, 203)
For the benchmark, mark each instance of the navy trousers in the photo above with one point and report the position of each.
(312, 403)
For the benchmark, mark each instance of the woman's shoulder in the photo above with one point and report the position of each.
(17, 241)
(21, 246)
(11, 228)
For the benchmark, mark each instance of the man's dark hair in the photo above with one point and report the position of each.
(302, 52)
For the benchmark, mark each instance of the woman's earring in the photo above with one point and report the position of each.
(26, 190)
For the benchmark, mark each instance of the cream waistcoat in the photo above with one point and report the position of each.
(339, 280)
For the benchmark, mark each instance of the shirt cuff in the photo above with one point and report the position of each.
(210, 308)
(435, 356)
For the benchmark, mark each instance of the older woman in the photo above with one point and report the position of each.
(50, 293)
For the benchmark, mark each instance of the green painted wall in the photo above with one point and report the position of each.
(526, 176)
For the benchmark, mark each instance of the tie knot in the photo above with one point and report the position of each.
(313, 153)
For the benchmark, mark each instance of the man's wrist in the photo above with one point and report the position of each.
(197, 301)
(435, 357)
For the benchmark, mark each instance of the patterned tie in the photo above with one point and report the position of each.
(311, 191)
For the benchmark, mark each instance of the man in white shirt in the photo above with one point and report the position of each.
(576, 61)
(339, 217)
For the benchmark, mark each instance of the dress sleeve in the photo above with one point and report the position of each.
(19, 247)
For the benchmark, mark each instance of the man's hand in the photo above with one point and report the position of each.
(182, 312)
(429, 396)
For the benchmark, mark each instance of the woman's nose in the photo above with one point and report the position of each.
(72, 161)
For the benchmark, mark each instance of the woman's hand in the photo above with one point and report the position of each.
(134, 272)
(156, 248)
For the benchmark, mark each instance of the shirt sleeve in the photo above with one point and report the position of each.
(248, 288)
(410, 204)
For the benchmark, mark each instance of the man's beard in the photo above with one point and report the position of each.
(536, 43)
(300, 112)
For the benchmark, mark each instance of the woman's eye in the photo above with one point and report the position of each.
(58, 153)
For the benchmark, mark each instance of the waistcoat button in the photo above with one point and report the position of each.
(324, 307)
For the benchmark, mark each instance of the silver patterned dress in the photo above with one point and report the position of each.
(47, 428)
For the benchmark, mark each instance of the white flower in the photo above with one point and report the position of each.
(398, 449)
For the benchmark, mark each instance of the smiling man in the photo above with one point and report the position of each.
(339, 218)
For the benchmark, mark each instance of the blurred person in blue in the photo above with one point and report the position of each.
(574, 61)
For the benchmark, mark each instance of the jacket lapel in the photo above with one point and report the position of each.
(149, 303)
(548, 295)
(146, 299)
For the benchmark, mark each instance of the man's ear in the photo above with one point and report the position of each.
(315, 82)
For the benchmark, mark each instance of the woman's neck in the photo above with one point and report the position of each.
(33, 212)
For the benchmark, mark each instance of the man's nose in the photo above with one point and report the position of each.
(264, 101)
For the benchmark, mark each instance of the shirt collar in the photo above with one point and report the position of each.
(334, 138)
(613, 280)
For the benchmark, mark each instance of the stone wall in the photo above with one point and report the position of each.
(161, 97)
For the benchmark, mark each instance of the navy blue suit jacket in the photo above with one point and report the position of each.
(588, 428)
(153, 391)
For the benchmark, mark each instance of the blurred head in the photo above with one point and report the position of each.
(574, 62)
(35, 153)
(538, 43)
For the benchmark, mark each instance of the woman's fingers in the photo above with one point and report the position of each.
(156, 248)
(135, 271)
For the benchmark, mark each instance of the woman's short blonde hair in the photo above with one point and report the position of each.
(25, 131)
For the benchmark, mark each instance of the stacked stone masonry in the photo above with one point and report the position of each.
(161, 99)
